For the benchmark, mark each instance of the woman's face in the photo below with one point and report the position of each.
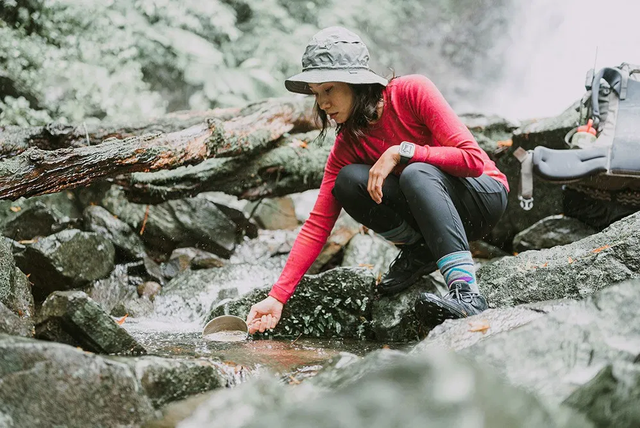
(335, 98)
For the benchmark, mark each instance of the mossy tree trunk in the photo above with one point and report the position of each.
(244, 147)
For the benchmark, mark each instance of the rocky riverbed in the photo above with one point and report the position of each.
(102, 304)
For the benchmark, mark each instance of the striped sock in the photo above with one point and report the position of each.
(459, 266)
(403, 234)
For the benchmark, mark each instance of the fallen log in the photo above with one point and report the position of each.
(15, 140)
(295, 165)
(36, 171)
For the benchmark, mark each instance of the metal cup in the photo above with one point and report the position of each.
(226, 328)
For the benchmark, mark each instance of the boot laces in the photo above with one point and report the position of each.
(461, 296)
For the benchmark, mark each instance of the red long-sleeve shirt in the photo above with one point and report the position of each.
(415, 111)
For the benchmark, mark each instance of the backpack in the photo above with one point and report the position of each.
(610, 160)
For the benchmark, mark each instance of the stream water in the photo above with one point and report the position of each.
(295, 359)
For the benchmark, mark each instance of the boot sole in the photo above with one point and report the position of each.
(432, 312)
(425, 270)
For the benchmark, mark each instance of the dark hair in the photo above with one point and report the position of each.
(365, 110)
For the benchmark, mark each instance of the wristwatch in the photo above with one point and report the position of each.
(407, 150)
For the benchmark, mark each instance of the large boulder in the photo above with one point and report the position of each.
(15, 290)
(65, 260)
(164, 380)
(335, 303)
(571, 271)
(71, 317)
(45, 384)
(25, 219)
(119, 286)
(439, 389)
(583, 354)
(550, 232)
(12, 324)
(193, 222)
(274, 213)
(126, 241)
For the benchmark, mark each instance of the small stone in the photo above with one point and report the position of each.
(149, 289)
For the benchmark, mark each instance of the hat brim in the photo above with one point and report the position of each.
(300, 82)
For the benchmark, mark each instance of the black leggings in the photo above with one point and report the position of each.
(448, 211)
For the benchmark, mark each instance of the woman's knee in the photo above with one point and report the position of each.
(419, 175)
(349, 181)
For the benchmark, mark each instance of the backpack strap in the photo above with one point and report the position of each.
(617, 79)
(525, 189)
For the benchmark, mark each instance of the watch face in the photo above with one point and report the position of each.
(406, 149)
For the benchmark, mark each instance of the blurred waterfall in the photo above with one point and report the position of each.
(552, 45)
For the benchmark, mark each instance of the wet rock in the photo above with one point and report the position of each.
(345, 368)
(183, 259)
(274, 213)
(65, 260)
(233, 208)
(15, 289)
(551, 231)
(303, 203)
(194, 222)
(371, 251)
(149, 289)
(232, 408)
(268, 244)
(393, 317)
(439, 387)
(110, 291)
(13, 325)
(152, 270)
(164, 380)
(336, 303)
(488, 130)
(610, 399)
(47, 384)
(572, 271)
(25, 219)
(136, 307)
(190, 295)
(71, 317)
(463, 333)
(483, 250)
(562, 354)
(126, 241)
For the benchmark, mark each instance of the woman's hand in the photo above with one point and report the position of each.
(264, 315)
(380, 170)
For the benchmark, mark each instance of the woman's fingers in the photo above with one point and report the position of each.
(374, 185)
(264, 323)
(273, 323)
(254, 326)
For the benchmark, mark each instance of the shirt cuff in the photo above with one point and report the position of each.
(279, 294)
(421, 154)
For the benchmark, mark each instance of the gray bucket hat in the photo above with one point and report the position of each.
(334, 54)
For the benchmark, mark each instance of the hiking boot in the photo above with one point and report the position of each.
(410, 264)
(459, 302)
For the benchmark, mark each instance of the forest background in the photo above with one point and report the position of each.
(83, 61)
(75, 61)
